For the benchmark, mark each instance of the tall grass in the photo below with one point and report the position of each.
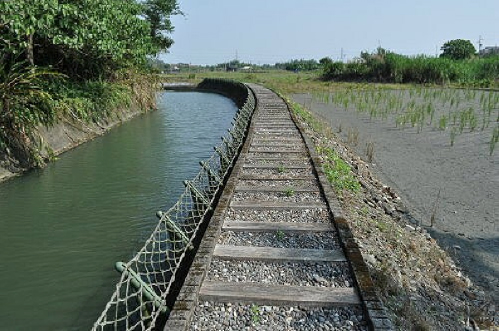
(395, 68)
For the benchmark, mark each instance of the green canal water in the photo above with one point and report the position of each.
(62, 228)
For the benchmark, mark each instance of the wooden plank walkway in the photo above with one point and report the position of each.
(265, 294)
(266, 150)
(272, 249)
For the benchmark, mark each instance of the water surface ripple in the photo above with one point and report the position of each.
(62, 228)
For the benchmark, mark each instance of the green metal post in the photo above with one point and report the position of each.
(174, 229)
(214, 180)
(140, 285)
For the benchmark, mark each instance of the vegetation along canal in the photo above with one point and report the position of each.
(64, 227)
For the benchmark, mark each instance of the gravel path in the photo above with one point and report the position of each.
(269, 206)
(288, 195)
(280, 239)
(299, 216)
(234, 316)
(279, 173)
(272, 183)
(322, 274)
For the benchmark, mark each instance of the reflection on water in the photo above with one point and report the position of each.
(62, 228)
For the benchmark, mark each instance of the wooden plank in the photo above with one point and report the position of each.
(274, 127)
(276, 226)
(277, 144)
(292, 139)
(276, 178)
(276, 205)
(277, 295)
(265, 189)
(281, 150)
(276, 166)
(285, 122)
(229, 252)
(271, 157)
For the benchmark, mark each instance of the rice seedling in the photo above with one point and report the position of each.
(485, 122)
(430, 111)
(370, 149)
(493, 140)
(434, 209)
(401, 121)
(472, 121)
(421, 120)
(442, 122)
(352, 136)
(453, 135)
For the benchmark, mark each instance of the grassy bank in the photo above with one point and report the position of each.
(41, 99)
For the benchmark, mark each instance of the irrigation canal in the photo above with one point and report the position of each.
(277, 253)
(64, 227)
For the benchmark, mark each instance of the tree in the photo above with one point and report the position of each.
(85, 39)
(325, 61)
(458, 49)
(157, 13)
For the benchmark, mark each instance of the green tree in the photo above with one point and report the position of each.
(325, 61)
(157, 13)
(85, 39)
(458, 49)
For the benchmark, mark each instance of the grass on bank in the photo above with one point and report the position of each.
(30, 101)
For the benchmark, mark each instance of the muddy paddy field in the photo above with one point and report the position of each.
(438, 149)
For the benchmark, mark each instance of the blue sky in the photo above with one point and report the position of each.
(270, 31)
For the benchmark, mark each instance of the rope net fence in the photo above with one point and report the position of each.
(139, 299)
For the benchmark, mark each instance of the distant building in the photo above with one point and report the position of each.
(489, 50)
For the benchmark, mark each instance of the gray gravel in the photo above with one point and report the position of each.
(299, 161)
(276, 156)
(286, 183)
(237, 317)
(273, 148)
(280, 239)
(278, 142)
(279, 173)
(300, 216)
(288, 195)
(319, 274)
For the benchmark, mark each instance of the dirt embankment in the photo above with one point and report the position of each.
(67, 134)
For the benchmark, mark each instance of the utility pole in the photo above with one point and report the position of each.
(341, 55)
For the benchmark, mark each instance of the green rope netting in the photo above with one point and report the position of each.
(138, 302)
